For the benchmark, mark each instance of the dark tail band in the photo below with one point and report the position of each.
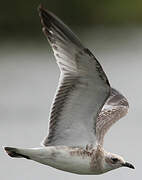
(13, 152)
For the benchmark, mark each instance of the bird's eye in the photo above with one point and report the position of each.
(114, 160)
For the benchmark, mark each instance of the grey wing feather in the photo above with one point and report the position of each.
(115, 108)
(83, 87)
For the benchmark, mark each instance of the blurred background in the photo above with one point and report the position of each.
(20, 19)
(112, 30)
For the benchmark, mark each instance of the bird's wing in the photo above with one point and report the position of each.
(82, 90)
(115, 108)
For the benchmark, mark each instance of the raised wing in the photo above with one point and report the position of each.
(115, 108)
(83, 87)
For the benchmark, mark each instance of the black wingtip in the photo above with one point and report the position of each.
(40, 11)
(40, 8)
(43, 12)
(46, 16)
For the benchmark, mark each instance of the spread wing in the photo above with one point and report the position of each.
(115, 108)
(82, 90)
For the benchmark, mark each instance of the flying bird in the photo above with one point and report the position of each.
(84, 108)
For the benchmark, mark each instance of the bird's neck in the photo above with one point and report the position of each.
(98, 159)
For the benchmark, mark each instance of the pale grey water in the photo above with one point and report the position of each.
(28, 79)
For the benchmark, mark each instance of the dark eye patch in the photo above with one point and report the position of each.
(114, 160)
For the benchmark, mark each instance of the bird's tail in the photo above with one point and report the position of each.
(15, 153)
(42, 154)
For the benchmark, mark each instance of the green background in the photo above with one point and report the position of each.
(20, 18)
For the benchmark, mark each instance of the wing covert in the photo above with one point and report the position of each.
(114, 109)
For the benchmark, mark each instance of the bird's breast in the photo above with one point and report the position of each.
(74, 160)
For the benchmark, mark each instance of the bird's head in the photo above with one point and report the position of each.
(113, 161)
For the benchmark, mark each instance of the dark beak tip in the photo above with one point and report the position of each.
(129, 165)
(132, 167)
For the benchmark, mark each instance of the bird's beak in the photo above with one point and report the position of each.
(126, 164)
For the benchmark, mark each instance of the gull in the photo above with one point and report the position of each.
(84, 108)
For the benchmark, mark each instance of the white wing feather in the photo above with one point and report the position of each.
(82, 91)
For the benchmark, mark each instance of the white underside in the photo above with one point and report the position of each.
(60, 158)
